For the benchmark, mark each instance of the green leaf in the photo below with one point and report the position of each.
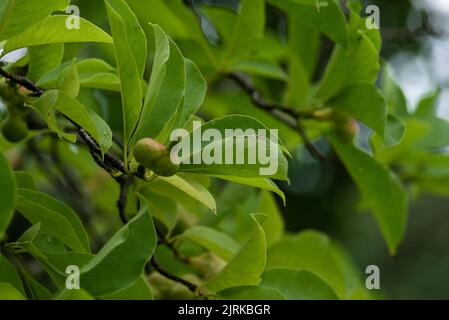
(139, 290)
(248, 264)
(297, 284)
(261, 183)
(244, 128)
(166, 87)
(51, 253)
(135, 35)
(78, 295)
(53, 101)
(314, 252)
(18, 15)
(274, 223)
(92, 73)
(7, 195)
(251, 293)
(50, 203)
(8, 292)
(427, 105)
(381, 191)
(248, 27)
(68, 81)
(213, 240)
(394, 132)
(9, 274)
(128, 251)
(259, 67)
(44, 58)
(360, 63)
(53, 30)
(326, 16)
(25, 180)
(56, 218)
(126, 42)
(187, 187)
(364, 102)
(96, 73)
(195, 91)
(396, 101)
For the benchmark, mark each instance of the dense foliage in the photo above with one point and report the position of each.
(87, 118)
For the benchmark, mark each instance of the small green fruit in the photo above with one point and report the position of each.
(14, 129)
(147, 151)
(164, 167)
(155, 156)
(347, 130)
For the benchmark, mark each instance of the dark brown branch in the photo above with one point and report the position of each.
(124, 182)
(286, 115)
(191, 286)
(164, 241)
(24, 82)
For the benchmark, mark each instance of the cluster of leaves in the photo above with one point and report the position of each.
(197, 222)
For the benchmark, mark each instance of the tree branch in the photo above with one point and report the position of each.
(191, 286)
(124, 182)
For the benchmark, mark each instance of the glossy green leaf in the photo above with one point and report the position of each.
(262, 183)
(129, 46)
(134, 244)
(56, 218)
(8, 292)
(53, 30)
(360, 63)
(297, 284)
(44, 58)
(25, 180)
(194, 94)
(213, 240)
(92, 73)
(364, 102)
(139, 290)
(187, 187)
(247, 28)
(326, 16)
(53, 101)
(8, 274)
(47, 201)
(314, 252)
(389, 206)
(166, 87)
(251, 293)
(7, 196)
(247, 265)
(229, 145)
(68, 81)
(18, 15)
(274, 223)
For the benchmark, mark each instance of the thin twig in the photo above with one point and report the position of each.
(24, 82)
(124, 182)
(191, 286)
(164, 241)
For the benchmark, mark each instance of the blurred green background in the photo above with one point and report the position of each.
(416, 44)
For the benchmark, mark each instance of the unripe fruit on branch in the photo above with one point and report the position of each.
(155, 156)
(347, 129)
(14, 129)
